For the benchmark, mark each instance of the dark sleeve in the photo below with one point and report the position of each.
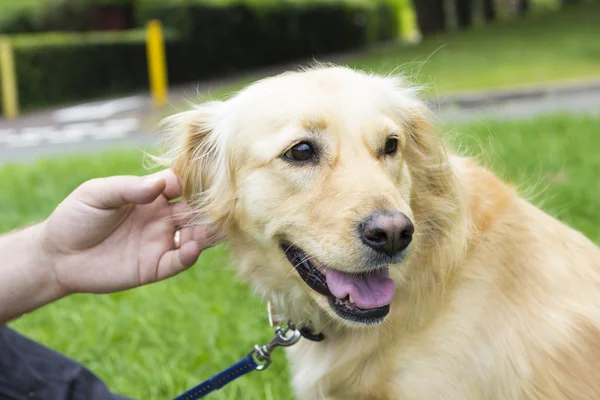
(30, 371)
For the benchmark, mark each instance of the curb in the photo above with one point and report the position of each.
(477, 99)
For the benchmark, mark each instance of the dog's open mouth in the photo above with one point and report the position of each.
(361, 298)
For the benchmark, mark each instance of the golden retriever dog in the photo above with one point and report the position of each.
(428, 276)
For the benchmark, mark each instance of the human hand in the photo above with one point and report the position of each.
(117, 233)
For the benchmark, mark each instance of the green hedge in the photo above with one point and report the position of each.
(203, 41)
(221, 39)
(62, 67)
(66, 16)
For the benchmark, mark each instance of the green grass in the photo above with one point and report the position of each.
(553, 160)
(541, 48)
(156, 341)
(553, 46)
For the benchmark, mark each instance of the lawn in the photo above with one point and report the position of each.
(154, 342)
(553, 46)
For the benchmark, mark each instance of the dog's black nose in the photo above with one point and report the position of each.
(386, 232)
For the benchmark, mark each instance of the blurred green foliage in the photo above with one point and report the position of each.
(63, 67)
(204, 40)
(25, 16)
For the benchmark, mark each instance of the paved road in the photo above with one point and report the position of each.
(138, 140)
(582, 102)
(117, 123)
(84, 128)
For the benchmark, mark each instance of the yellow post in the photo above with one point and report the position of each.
(409, 30)
(8, 80)
(157, 63)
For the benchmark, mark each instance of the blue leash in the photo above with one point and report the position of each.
(284, 337)
(240, 368)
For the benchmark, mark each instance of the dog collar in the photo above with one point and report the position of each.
(307, 332)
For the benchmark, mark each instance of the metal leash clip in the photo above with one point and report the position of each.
(284, 337)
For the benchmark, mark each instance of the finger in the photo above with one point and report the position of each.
(116, 191)
(206, 236)
(209, 235)
(181, 213)
(176, 261)
(173, 187)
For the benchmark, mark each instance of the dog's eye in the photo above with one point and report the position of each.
(301, 152)
(391, 146)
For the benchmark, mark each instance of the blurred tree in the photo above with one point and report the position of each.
(85, 15)
(469, 12)
(464, 13)
(569, 2)
(489, 10)
(440, 15)
(523, 6)
(430, 15)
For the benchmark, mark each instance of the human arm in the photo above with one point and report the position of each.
(110, 234)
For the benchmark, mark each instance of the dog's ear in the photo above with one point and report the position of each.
(436, 198)
(424, 149)
(196, 153)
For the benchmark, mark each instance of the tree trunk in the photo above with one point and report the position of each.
(430, 16)
(489, 10)
(464, 13)
(523, 7)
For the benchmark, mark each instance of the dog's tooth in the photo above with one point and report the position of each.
(351, 299)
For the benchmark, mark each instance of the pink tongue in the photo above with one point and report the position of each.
(368, 291)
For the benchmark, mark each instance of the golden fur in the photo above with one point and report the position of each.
(496, 300)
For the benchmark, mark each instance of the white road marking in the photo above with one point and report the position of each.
(124, 123)
(7, 135)
(116, 128)
(27, 139)
(39, 130)
(11, 137)
(107, 135)
(81, 126)
(7, 132)
(97, 110)
(74, 132)
(69, 133)
(68, 137)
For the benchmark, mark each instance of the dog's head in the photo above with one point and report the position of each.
(322, 180)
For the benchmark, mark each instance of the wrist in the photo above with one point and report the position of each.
(29, 279)
(45, 260)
